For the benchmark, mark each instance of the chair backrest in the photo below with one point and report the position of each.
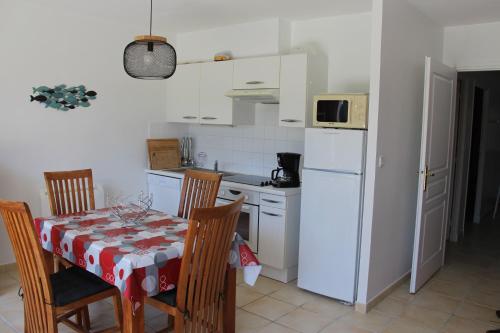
(204, 263)
(33, 269)
(70, 191)
(199, 190)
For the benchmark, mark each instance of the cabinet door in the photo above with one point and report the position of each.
(272, 237)
(257, 73)
(216, 80)
(166, 193)
(183, 94)
(293, 91)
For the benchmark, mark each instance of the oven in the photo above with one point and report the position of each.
(248, 223)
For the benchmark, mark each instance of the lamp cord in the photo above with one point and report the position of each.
(151, 18)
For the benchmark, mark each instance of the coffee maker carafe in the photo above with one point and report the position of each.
(288, 165)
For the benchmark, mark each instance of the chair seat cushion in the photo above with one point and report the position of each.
(73, 284)
(168, 297)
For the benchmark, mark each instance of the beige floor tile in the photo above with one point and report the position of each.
(246, 295)
(266, 285)
(247, 322)
(344, 327)
(462, 325)
(327, 307)
(487, 284)
(157, 323)
(404, 325)
(4, 328)
(474, 311)
(269, 308)
(304, 321)
(435, 301)
(15, 319)
(391, 307)
(239, 277)
(150, 312)
(433, 319)
(450, 289)
(488, 299)
(402, 293)
(275, 328)
(372, 321)
(294, 295)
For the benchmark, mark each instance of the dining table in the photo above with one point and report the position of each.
(141, 259)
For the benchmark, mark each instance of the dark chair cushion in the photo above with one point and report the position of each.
(74, 283)
(168, 297)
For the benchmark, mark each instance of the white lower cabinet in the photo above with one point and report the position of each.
(166, 193)
(272, 237)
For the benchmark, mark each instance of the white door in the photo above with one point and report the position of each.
(216, 80)
(433, 201)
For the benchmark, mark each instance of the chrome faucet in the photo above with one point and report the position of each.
(216, 166)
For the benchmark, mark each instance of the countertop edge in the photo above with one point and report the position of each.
(286, 192)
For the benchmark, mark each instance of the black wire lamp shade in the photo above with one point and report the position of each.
(150, 58)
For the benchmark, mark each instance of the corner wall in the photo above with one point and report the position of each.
(401, 38)
(46, 45)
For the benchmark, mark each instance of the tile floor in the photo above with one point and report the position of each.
(461, 298)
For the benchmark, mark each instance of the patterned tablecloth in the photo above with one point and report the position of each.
(141, 260)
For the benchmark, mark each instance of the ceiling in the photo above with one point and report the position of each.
(459, 12)
(191, 15)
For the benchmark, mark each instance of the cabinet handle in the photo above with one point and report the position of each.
(271, 201)
(233, 192)
(254, 82)
(189, 117)
(209, 118)
(271, 214)
(291, 120)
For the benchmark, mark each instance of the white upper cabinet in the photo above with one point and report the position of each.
(183, 94)
(257, 73)
(293, 91)
(216, 80)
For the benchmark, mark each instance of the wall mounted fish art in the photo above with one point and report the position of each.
(62, 97)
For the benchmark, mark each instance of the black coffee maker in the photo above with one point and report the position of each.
(288, 164)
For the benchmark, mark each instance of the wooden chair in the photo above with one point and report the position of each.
(197, 303)
(199, 190)
(50, 299)
(70, 191)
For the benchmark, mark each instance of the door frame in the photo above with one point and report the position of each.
(463, 141)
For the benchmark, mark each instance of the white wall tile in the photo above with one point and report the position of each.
(247, 149)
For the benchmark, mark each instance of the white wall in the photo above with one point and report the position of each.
(242, 40)
(346, 41)
(43, 46)
(472, 47)
(401, 39)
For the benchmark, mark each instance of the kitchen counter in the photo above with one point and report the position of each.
(177, 173)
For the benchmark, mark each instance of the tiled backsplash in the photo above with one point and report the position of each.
(247, 149)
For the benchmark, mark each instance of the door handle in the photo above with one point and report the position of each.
(290, 120)
(254, 82)
(427, 174)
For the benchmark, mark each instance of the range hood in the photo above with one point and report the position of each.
(263, 96)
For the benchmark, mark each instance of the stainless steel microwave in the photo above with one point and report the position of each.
(341, 111)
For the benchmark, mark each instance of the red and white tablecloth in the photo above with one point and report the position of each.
(141, 260)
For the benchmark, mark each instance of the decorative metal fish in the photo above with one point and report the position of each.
(62, 97)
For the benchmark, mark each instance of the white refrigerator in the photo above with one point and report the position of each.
(331, 211)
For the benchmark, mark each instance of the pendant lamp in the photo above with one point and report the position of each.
(150, 57)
